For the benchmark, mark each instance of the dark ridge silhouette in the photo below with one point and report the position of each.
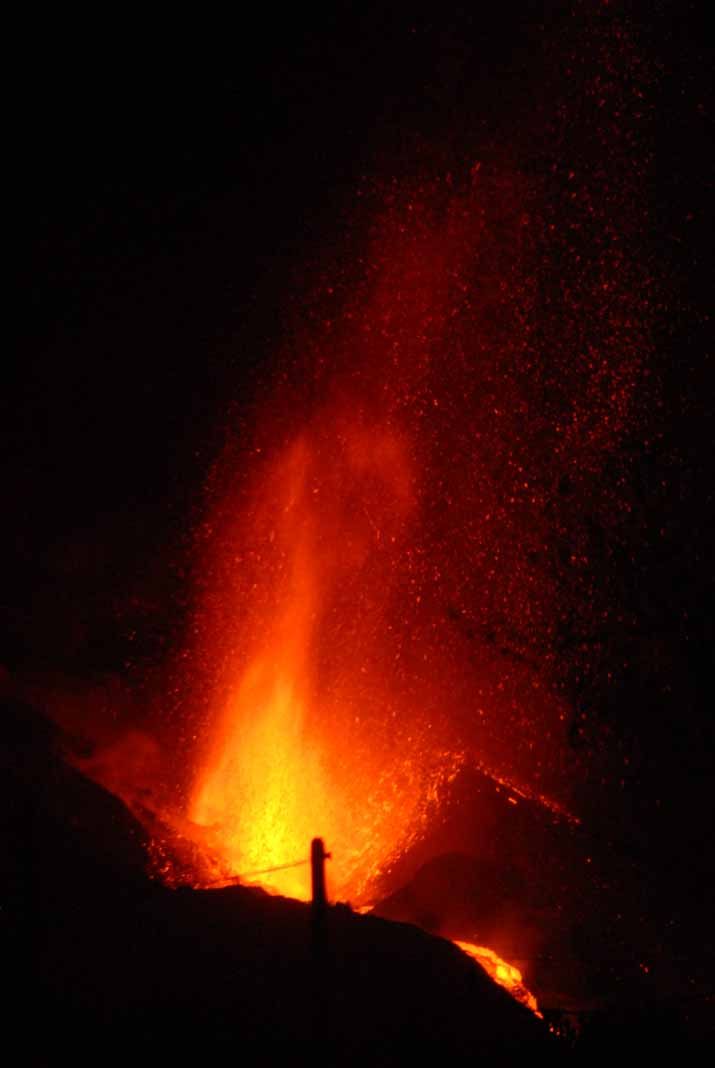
(101, 959)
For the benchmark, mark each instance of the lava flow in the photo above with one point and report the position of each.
(503, 973)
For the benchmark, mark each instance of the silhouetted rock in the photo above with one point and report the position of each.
(99, 954)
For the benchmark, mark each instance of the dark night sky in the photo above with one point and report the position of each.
(168, 195)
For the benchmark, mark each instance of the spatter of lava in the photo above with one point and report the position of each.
(409, 566)
(390, 593)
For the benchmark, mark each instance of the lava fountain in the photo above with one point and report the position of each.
(315, 599)
(384, 596)
(295, 751)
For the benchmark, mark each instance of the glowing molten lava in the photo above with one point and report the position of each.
(379, 596)
(506, 975)
(306, 742)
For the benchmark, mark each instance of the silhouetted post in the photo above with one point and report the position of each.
(318, 856)
(319, 904)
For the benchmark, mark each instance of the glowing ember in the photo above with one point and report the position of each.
(503, 973)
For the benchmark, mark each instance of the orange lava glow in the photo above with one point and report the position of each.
(349, 575)
(503, 973)
(305, 741)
